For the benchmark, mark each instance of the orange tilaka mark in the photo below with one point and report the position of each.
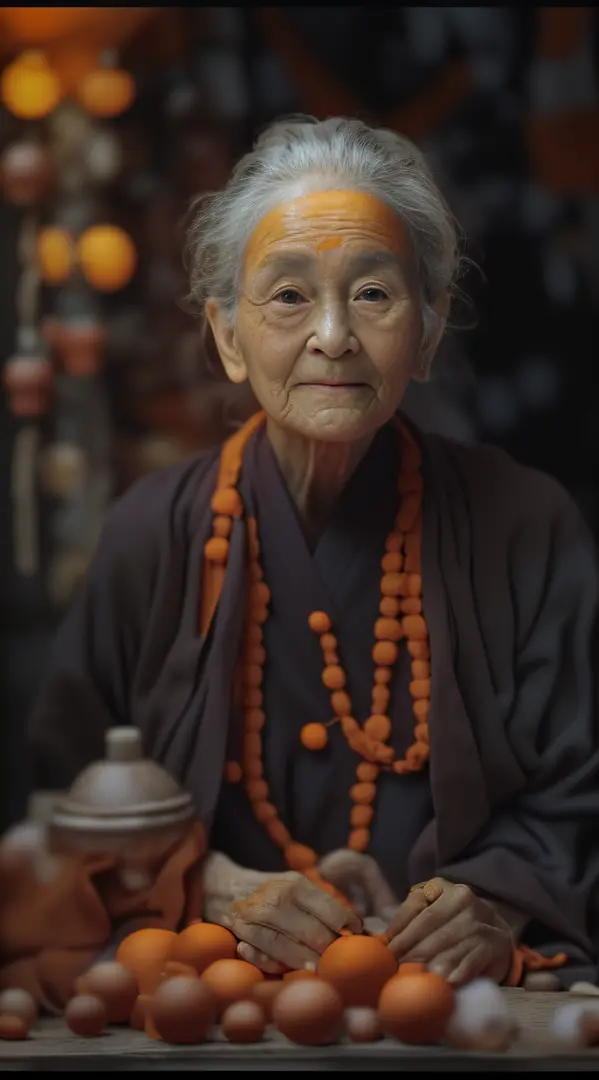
(327, 209)
(329, 243)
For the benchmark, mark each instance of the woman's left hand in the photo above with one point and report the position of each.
(455, 932)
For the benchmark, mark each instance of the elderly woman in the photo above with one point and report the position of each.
(366, 652)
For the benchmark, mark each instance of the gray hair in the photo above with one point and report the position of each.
(295, 156)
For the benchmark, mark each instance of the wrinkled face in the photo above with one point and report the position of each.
(328, 326)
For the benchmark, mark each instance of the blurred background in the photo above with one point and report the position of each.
(112, 119)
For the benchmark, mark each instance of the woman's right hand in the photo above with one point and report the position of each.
(283, 921)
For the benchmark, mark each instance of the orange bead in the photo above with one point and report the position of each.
(413, 543)
(417, 755)
(252, 745)
(383, 676)
(421, 669)
(367, 772)
(420, 688)
(256, 654)
(217, 549)
(259, 594)
(389, 607)
(300, 857)
(333, 677)
(252, 768)
(411, 606)
(259, 614)
(419, 650)
(388, 629)
(278, 833)
(408, 512)
(421, 709)
(415, 628)
(381, 696)
(358, 840)
(392, 562)
(385, 653)
(314, 736)
(222, 526)
(401, 768)
(253, 675)
(378, 727)
(328, 641)
(363, 793)
(414, 585)
(319, 622)
(331, 657)
(254, 720)
(257, 790)
(341, 703)
(233, 773)
(256, 572)
(412, 564)
(361, 816)
(394, 542)
(227, 501)
(391, 584)
(421, 733)
(253, 698)
(254, 634)
(349, 725)
(264, 811)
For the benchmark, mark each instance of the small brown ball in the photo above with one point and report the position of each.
(15, 1002)
(362, 1025)
(416, 1008)
(264, 993)
(113, 984)
(13, 1027)
(183, 1010)
(86, 1015)
(243, 1022)
(308, 1012)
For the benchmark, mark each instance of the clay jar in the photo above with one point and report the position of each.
(126, 806)
(27, 173)
(78, 343)
(27, 382)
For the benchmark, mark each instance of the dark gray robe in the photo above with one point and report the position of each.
(510, 804)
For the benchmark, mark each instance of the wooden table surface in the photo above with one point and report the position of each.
(51, 1046)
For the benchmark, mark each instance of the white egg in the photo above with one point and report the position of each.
(567, 1022)
(480, 1019)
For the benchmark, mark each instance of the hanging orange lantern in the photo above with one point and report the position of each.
(107, 257)
(55, 254)
(29, 87)
(28, 385)
(106, 92)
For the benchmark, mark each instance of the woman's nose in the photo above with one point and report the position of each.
(332, 333)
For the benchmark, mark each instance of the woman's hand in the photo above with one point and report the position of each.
(282, 920)
(456, 933)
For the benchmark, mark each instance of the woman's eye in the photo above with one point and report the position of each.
(372, 293)
(291, 297)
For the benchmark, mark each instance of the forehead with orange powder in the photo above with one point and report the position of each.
(326, 220)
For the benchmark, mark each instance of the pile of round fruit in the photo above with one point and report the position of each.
(183, 987)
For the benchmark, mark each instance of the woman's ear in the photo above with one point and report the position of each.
(223, 332)
(426, 355)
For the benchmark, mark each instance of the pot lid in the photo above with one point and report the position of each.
(125, 791)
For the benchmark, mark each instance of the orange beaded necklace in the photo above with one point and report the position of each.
(400, 617)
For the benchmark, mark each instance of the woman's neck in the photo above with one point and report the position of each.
(315, 472)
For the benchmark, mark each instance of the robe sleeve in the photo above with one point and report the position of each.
(540, 853)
